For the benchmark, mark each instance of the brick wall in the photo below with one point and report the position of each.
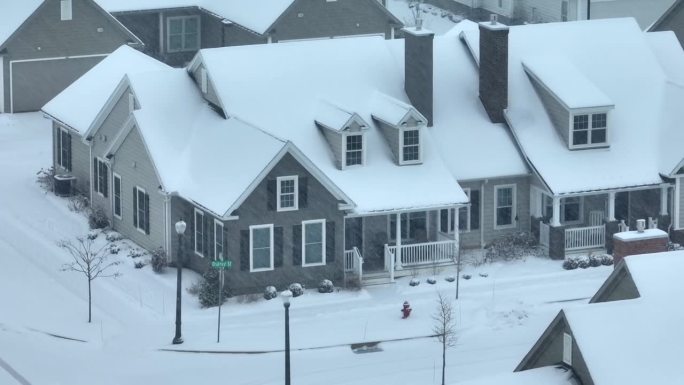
(632, 243)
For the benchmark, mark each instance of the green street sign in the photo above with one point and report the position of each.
(221, 265)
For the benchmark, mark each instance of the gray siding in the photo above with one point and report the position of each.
(44, 35)
(335, 141)
(391, 135)
(672, 21)
(255, 211)
(136, 169)
(681, 202)
(559, 115)
(80, 163)
(211, 94)
(544, 11)
(307, 19)
(619, 286)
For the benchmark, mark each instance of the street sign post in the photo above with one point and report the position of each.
(220, 265)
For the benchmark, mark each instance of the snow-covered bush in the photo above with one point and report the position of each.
(114, 248)
(583, 262)
(326, 286)
(512, 247)
(139, 264)
(77, 203)
(606, 260)
(113, 236)
(414, 282)
(671, 246)
(450, 278)
(158, 260)
(297, 289)
(570, 264)
(45, 177)
(135, 253)
(209, 289)
(594, 260)
(92, 235)
(467, 276)
(431, 281)
(270, 292)
(97, 218)
(484, 275)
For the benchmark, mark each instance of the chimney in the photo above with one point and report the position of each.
(494, 68)
(418, 69)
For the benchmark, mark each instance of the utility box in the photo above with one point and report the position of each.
(64, 185)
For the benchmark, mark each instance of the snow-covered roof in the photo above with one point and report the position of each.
(13, 14)
(255, 15)
(548, 375)
(391, 110)
(615, 56)
(334, 117)
(657, 275)
(80, 104)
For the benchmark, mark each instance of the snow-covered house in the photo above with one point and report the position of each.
(174, 30)
(47, 44)
(671, 20)
(631, 331)
(594, 108)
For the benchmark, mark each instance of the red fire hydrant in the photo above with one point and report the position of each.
(406, 310)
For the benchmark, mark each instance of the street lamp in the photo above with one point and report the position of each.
(180, 229)
(286, 295)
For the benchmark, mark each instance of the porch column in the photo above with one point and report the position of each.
(663, 199)
(611, 206)
(555, 219)
(536, 202)
(397, 253)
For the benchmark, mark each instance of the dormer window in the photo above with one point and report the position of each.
(287, 193)
(409, 147)
(353, 152)
(589, 130)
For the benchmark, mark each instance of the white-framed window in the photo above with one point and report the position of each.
(218, 239)
(504, 206)
(413, 226)
(589, 130)
(64, 149)
(261, 247)
(287, 193)
(204, 81)
(141, 210)
(409, 146)
(66, 12)
(101, 177)
(183, 33)
(199, 233)
(353, 149)
(116, 196)
(567, 349)
(313, 242)
(571, 210)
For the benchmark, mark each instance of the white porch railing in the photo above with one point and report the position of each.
(585, 237)
(544, 234)
(353, 262)
(425, 253)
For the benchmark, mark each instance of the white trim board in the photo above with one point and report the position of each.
(2, 84)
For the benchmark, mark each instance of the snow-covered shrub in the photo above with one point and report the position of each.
(209, 289)
(139, 264)
(484, 275)
(45, 177)
(583, 262)
(467, 276)
(512, 247)
(114, 248)
(671, 246)
(326, 286)
(414, 282)
(97, 218)
(113, 236)
(431, 281)
(158, 260)
(270, 292)
(606, 260)
(570, 264)
(296, 289)
(594, 260)
(194, 289)
(92, 235)
(450, 278)
(135, 253)
(77, 203)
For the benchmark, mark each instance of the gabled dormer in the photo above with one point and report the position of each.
(345, 132)
(578, 109)
(402, 126)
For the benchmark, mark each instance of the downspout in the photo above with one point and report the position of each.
(482, 195)
(90, 160)
(588, 9)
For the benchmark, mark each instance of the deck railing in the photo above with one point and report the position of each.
(353, 262)
(544, 234)
(426, 253)
(585, 237)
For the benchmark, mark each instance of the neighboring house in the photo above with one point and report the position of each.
(47, 44)
(671, 20)
(577, 112)
(629, 333)
(173, 31)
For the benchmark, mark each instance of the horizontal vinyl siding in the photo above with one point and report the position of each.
(391, 134)
(80, 160)
(559, 115)
(210, 95)
(335, 143)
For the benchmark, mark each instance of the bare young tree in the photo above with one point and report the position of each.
(89, 260)
(444, 327)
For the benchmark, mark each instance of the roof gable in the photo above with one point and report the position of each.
(13, 15)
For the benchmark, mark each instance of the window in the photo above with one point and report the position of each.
(571, 209)
(218, 240)
(589, 129)
(141, 210)
(287, 193)
(117, 196)
(65, 10)
(447, 218)
(183, 33)
(564, 10)
(504, 201)
(410, 146)
(261, 248)
(353, 153)
(567, 348)
(203, 80)
(100, 177)
(413, 226)
(313, 242)
(64, 149)
(199, 233)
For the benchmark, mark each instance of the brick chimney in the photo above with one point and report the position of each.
(494, 68)
(641, 241)
(418, 68)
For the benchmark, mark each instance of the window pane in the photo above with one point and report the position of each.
(287, 186)
(580, 122)
(191, 41)
(313, 247)
(354, 142)
(444, 220)
(598, 120)
(176, 26)
(314, 253)
(261, 258)
(505, 197)
(579, 137)
(504, 216)
(410, 137)
(353, 158)
(598, 136)
(474, 209)
(261, 238)
(175, 42)
(314, 232)
(191, 25)
(463, 218)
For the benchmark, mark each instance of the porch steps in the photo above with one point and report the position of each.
(379, 278)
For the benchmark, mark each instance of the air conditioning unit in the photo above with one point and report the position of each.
(63, 185)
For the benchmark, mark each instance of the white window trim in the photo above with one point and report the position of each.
(281, 179)
(116, 176)
(323, 246)
(514, 211)
(138, 190)
(204, 80)
(66, 10)
(97, 182)
(217, 224)
(590, 128)
(401, 146)
(344, 150)
(251, 247)
(194, 218)
(62, 162)
(168, 31)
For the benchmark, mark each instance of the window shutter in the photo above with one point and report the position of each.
(329, 242)
(297, 245)
(272, 190)
(209, 237)
(105, 170)
(95, 174)
(135, 207)
(475, 209)
(278, 246)
(244, 250)
(303, 192)
(68, 160)
(57, 138)
(147, 214)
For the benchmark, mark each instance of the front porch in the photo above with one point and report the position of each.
(586, 223)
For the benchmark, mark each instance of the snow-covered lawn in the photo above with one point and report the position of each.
(499, 316)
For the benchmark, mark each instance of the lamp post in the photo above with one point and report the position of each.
(286, 295)
(180, 229)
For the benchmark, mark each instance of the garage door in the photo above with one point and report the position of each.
(35, 82)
